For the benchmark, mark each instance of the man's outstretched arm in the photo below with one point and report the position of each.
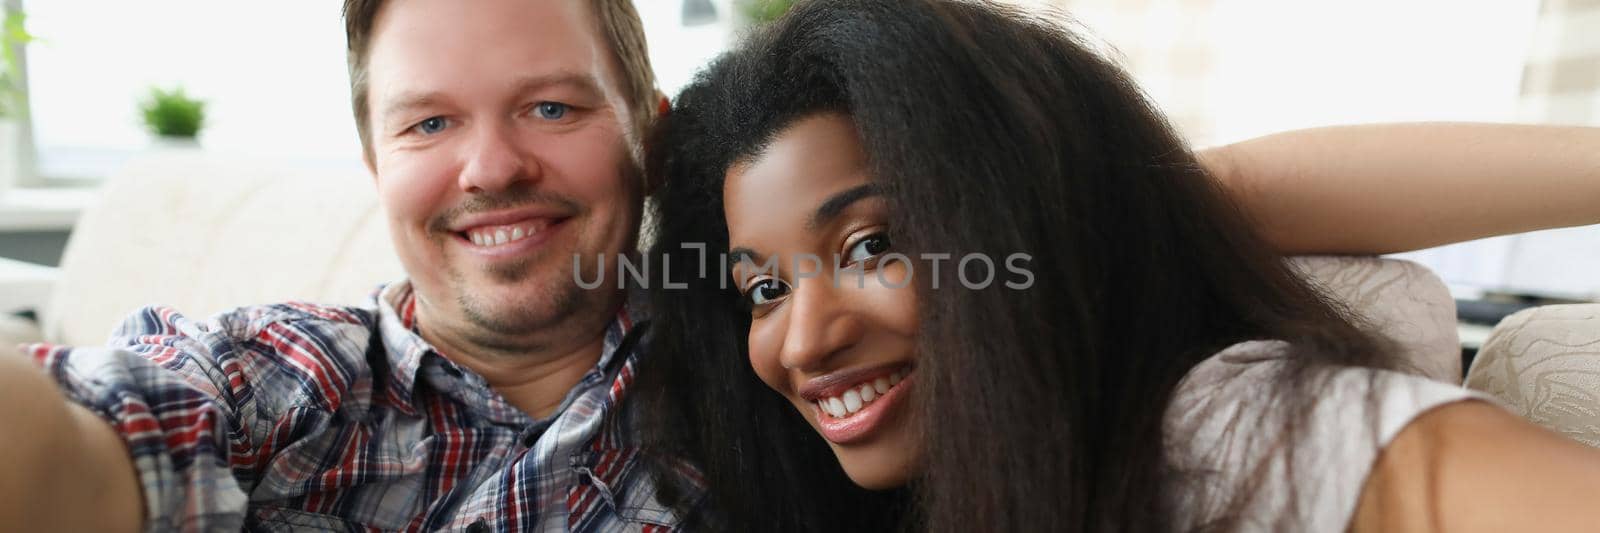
(61, 467)
(1386, 188)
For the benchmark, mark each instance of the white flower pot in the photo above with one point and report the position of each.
(174, 144)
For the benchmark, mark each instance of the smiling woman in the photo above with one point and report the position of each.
(831, 209)
(1166, 372)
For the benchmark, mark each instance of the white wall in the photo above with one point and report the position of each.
(1286, 64)
(1253, 67)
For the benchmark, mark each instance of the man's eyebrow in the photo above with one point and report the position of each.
(833, 206)
(574, 80)
(408, 101)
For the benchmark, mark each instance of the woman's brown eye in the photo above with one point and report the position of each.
(765, 291)
(868, 247)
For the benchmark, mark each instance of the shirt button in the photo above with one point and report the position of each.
(478, 527)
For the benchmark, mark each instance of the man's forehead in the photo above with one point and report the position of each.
(419, 44)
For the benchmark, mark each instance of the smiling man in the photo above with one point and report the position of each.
(483, 393)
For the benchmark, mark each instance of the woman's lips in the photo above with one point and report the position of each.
(872, 413)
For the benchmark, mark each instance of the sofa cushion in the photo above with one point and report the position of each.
(1544, 363)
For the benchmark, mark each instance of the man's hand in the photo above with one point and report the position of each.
(61, 467)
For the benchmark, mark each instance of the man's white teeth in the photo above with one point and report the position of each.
(503, 235)
(856, 399)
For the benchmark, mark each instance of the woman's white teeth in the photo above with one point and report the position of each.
(835, 407)
(856, 399)
(852, 401)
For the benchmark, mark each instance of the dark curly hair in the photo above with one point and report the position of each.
(990, 132)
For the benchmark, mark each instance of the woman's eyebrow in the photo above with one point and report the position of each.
(742, 254)
(836, 204)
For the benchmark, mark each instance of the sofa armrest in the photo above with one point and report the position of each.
(1544, 364)
(16, 330)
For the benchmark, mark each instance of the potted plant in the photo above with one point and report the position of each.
(173, 117)
(13, 96)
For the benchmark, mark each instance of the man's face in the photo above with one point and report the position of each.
(499, 153)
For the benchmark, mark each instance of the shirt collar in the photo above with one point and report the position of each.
(407, 353)
(403, 347)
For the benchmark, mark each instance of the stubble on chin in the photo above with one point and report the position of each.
(511, 307)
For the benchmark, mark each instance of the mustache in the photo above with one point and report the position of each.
(511, 198)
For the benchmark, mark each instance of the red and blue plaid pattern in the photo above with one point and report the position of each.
(297, 416)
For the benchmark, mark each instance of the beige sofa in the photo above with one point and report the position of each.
(1544, 363)
(203, 235)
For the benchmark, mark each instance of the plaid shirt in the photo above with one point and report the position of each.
(296, 416)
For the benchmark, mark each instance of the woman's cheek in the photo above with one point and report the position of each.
(766, 339)
(896, 301)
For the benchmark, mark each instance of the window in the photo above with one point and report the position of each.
(272, 74)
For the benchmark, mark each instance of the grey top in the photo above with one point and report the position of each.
(1226, 418)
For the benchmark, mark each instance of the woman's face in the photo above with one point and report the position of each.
(833, 321)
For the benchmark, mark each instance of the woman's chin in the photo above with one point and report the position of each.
(873, 482)
(884, 470)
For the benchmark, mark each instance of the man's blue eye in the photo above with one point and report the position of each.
(551, 110)
(431, 126)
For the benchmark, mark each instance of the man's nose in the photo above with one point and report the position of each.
(495, 161)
